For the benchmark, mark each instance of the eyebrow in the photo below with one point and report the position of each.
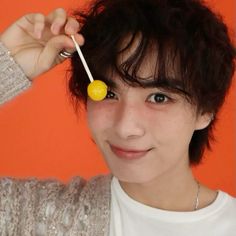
(110, 83)
(167, 83)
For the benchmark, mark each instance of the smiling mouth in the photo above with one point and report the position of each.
(128, 154)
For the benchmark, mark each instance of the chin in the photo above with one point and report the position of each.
(132, 177)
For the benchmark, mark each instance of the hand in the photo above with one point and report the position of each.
(35, 40)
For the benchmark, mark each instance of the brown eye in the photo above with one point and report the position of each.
(110, 95)
(158, 98)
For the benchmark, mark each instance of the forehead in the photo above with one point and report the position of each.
(147, 59)
(142, 63)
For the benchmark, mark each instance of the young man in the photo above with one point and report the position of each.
(168, 65)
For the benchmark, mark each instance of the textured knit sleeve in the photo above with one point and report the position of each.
(12, 78)
(38, 207)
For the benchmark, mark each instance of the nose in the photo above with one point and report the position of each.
(130, 123)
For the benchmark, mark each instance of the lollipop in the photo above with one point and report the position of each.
(97, 89)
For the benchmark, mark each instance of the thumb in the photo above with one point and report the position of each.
(50, 54)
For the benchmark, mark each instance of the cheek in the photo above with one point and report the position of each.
(173, 126)
(181, 133)
(98, 117)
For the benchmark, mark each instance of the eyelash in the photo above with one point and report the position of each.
(109, 92)
(165, 98)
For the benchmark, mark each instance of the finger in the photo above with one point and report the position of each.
(79, 39)
(39, 23)
(72, 26)
(57, 19)
(33, 24)
(50, 54)
(52, 49)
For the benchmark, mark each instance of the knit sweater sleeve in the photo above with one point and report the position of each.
(12, 78)
(33, 207)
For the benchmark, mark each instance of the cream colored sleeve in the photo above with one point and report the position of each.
(12, 78)
(31, 207)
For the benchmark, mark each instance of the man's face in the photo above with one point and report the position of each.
(143, 133)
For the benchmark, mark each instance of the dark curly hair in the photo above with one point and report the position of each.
(185, 32)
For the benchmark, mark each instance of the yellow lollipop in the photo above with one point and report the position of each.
(97, 89)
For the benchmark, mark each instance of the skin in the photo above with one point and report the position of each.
(131, 118)
(159, 124)
(35, 40)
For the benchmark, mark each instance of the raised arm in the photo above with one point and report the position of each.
(31, 46)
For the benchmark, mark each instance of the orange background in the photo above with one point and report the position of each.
(41, 135)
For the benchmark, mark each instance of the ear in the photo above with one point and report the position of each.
(203, 120)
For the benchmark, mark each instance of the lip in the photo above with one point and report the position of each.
(128, 154)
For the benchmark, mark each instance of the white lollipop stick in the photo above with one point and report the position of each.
(82, 59)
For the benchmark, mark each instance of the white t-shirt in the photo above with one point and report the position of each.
(132, 218)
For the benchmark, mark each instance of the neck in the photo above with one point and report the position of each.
(175, 193)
